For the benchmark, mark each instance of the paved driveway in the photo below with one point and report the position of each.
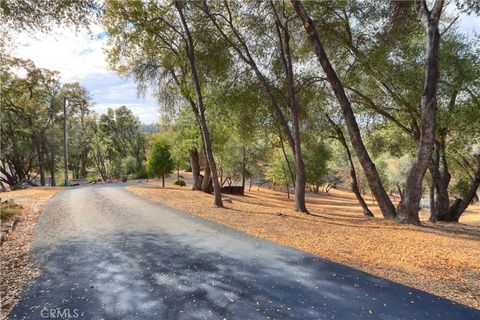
(109, 254)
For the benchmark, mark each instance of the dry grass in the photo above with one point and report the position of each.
(15, 269)
(441, 259)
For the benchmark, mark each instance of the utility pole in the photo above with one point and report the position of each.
(65, 139)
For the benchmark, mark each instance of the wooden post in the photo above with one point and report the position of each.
(65, 139)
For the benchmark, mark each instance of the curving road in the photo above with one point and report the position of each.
(109, 254)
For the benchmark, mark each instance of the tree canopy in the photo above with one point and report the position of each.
(375, 97)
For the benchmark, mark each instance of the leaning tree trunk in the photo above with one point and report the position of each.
(407, 210)
(201, 108)
(384, 201)
(353, 174)
(285, 156)
(460, 205)
(355, 189)
(244, 53)
(195, 164)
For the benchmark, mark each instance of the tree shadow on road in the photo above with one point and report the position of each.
(158, 276)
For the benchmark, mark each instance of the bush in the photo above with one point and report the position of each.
(9, 209)
(180, 182)
(91, 179)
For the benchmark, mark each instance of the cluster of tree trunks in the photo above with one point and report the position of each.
(240, 46)
(211, 176)
(441, 209)
(195, 165)
(200, 182)
(16, 169)
(371, 173)
(407, 211)
(353, 175)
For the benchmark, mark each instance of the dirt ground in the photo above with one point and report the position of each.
(443, 259)
(15, 269)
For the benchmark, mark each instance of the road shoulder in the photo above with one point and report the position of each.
(16, 266)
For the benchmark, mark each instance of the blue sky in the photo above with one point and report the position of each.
(79, 56)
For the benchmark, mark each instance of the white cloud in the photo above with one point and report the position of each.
(146, 113)
(74, 54)
(79, 57)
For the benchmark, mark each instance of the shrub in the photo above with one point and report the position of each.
(180, 182)
(9, 209)
(91, 179)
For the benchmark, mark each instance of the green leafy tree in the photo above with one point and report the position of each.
(169, 47)
(317, 155)
(277, 171)
(184, 138)
(122, 128)
(160, 162)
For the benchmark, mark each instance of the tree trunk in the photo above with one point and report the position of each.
(460, 205)
(289, 166)
(244, 170)
(434, 175)
(201, 108)
(433, 211)
(384, 202)
(407, 210)
(53, 183)
(41, 162)
(195, 164)
(207, 179)
(400, 191)
(286, 181)
(244, 53)
(163, 180)
(356, 191)
(286, 58)
(443, 180)
(353, 174)
(300, 181)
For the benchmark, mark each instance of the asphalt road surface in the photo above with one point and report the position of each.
(108, 254)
